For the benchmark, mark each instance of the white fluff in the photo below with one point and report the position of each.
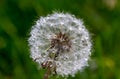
(46, 27)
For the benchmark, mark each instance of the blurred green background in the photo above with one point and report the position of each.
(101, 17)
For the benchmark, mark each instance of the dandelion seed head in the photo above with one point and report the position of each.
(63, 40)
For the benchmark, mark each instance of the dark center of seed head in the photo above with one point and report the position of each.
(61, 42)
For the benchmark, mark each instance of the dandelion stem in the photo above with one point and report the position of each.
(47, 73)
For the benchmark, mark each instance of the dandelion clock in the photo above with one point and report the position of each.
(60, 43)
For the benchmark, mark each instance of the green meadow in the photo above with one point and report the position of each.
(101, 18)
